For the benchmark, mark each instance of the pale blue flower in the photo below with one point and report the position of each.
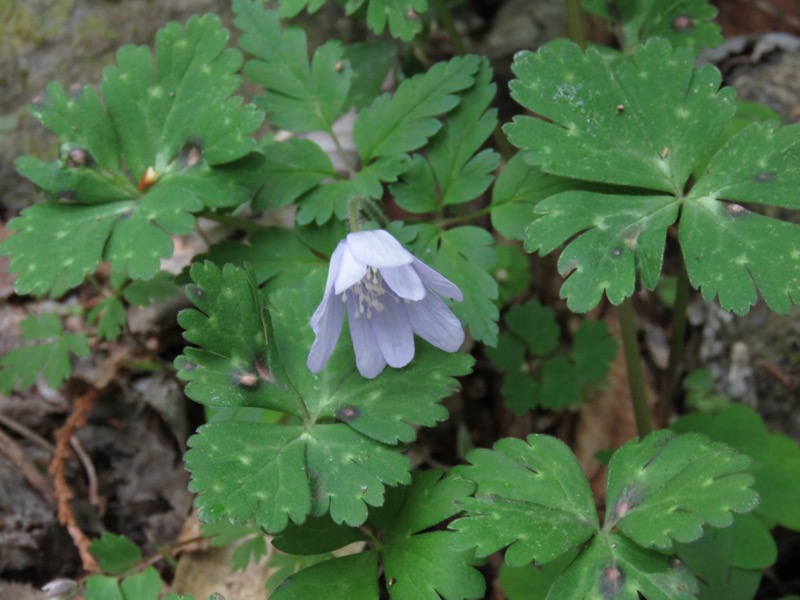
(390, 296)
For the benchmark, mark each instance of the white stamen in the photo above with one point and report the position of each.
(367, 293)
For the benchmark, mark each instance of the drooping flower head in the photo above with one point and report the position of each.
(390, 295)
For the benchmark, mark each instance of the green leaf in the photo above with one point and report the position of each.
(115, 554)
(535, 325)
(521, 392)
(453, 172)
(683, 23)
(618, 237)
(418, 560)
(50, 357)
(344, 452)
(419, 563)
(276, 255)
(99, 587)
(512, 273)
(465, 256)
(170, 122)
(532, 497)
(317, 535)
(532, 582)
(300, 97)
(404, 122)
(326, 580)
(508, 354)
(370, 63)
(291, 169)
(157, 289)
(560, 384)
(331, 199)
(665, 488)
(110, 316)
(290, 8)
(612, 567)
(145, 585)
(729, 250)
(776, 459)
(517, 191)
(711, 559)
(606, 120)
(157, 108)
(403, 17)
(250, 550)
(593, 351)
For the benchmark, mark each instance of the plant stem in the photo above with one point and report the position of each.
(457, 220)
(633, 362)
(575, 23)
(678, 333)
(351, 172)
(452, 31)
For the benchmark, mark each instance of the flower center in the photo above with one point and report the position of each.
(367, 293)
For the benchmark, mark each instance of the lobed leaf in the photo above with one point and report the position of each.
(422, 564)
(517, 191)
(417, 562)
(776, 459)
(404, 122)
(344, 450)
(618, 238)
(729, 250)
(50, 357)
(665, 488)
(115, 554)
(683, 23)
(606, 118)
(291, 169)
(531, 497)
(300, 96)
(613, 567)
(455, 172)
(167, 123)
(402, 17)
(325, 580)
(110, 316)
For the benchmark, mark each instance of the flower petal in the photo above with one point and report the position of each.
(378, 249)
(369, 360)
(404, 282)
(393, 332)
(350, 272)
(434, 281)
(434, 322)
(333, 270)
(327, 328)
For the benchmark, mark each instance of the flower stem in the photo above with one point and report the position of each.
(575, 23)
(678, 334)
(452, 31)
(360, 205)
(633, 362)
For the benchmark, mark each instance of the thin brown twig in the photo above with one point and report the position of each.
(32, 475)
(75, 421)
(91, 474)
(28, 434)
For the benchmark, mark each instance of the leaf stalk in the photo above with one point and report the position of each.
(633, 362)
